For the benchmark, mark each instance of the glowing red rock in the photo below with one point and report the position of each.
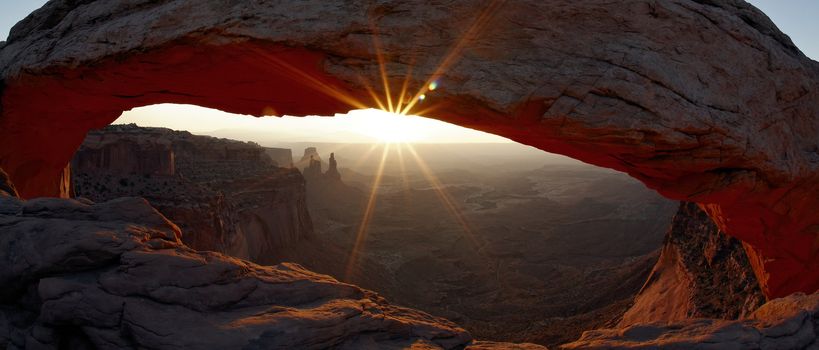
(703, 102)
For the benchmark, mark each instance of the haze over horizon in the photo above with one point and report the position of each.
(357, 126)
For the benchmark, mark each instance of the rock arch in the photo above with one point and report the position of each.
(702, 101)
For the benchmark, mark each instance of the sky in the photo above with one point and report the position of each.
(796, 18)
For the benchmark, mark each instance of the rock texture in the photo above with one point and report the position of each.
(701, 272)
(115, 275)
(6, 187)
(310, 156)
(703, 101)
(786, 323)
(226, 196)
(313, 173)
(332, 170)
(283, 157)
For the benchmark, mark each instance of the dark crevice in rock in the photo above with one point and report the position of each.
(6, 187)
(72, 337)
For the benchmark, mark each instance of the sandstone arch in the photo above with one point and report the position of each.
(701, 100)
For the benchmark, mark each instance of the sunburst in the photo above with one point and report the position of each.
(364, 225)
(396, 131)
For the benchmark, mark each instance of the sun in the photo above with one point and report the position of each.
(391, 127)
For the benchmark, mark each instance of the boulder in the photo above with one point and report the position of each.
(703, 101)
(787, 323)
(701, 272)
(116, 275)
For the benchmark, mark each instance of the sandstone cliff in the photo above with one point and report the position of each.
(790, 323)
(283, 157)
(332, 170)
(701, 272)
(115, 275)
(307, 160)
(704, 101)
(227, 196)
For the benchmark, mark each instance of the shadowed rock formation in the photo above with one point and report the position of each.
(786, 323)
(701, 272)
(313, 168)
(6, 187)
(332, 171)
(310, 155)
(283, 157)
(703, 101)
(115, 275)
(227, 196)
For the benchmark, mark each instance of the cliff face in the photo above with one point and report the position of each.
(116, 157)
(637, 87)
(701, 272)
(115, 275)
(149, 290)
(790, 323)
(283, 157)
(227, 196)
(270, 214)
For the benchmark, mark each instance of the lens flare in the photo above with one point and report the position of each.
(364, 226)
(445, 198)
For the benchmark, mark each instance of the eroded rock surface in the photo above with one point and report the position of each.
(116, 275)
(703, 101)
(6, 187)
(226, 195)
(701, 272)
(786, 323)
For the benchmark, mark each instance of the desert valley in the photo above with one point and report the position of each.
(477, 175)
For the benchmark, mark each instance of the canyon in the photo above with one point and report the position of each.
(705, 102)
(702, 101)
(226, 196)
(584, 238)
(85, 275)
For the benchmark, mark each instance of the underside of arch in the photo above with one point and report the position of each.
(692, 115)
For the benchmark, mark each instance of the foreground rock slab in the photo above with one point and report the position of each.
(704, 101)
(786, 323)
(115, 275)
(701, 273)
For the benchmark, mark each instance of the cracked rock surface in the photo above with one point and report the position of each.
(704, 101)
(785, 323)
(115, 275)
(701, 273)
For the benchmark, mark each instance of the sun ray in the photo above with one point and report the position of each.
(310, 80)
(445, 198)
(365, 157)
(367, 217)
(404, 177)
(427, 110)
(477, 26)
(404, 86)
(373, 95)
(382, 66)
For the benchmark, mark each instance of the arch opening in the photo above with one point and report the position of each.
(486, 228)
(620, 99)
